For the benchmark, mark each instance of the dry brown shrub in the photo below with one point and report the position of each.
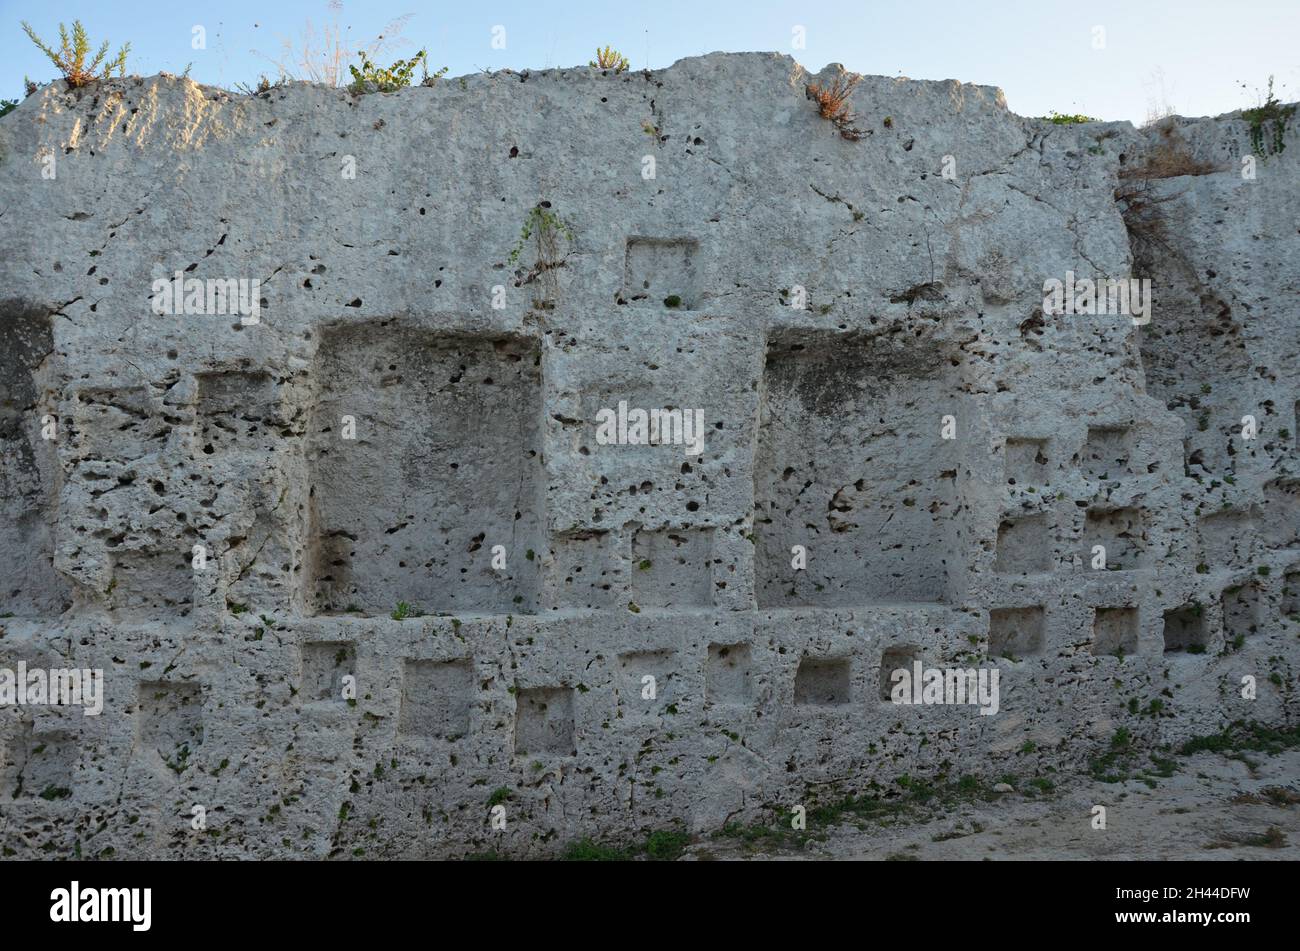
(1169, 157)
(833, 104)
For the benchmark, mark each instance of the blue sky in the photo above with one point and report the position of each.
(1201, 57)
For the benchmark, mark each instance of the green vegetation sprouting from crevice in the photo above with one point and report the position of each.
(1268, 123)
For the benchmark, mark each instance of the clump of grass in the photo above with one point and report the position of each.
(70, 57)
(665, 845)
(661, 845)
(833, 104)
(1241, 737)
(585, 850)
(263, 87)
(182, 759)
(913, 799)
(1271, 838)
(404, 611)
(1123, 760)
(1279, 796)
(609, 58)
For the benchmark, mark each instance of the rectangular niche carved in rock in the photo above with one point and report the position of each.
(1115, 631)
(1024, 546)
(544, 721)
(851, 465)
(1120, 533)
(896, 658)
(445, 466)
(437, 697)
(1185, 630)
(822, 682)
(39, 764)
(324, 665)
(1106, 454)
(579, 572)
(1240, 613)
(1026, 460)
(29, 585)
(119, 436)
(1210, 451)
(153, 580)
(728, 674)
(237, 411)
(117, 424)
(1016, 632)
(659, 269)
(1291, 594)
(1281, 515)
(170, 721)
(672, 568)
(636, 694)
(1194, 361)
(1228, 539)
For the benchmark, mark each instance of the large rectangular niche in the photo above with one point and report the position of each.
(444, 466)
(29, 585)
(852, 465)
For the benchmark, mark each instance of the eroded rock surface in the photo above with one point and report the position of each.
(382, 432)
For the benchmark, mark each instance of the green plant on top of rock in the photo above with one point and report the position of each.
(7, 106)
(71, 55)
(1268, 123)
(609, 58)
(263, 87)
(374, 78)
(1064, 118)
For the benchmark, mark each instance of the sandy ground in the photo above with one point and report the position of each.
(1214, 808)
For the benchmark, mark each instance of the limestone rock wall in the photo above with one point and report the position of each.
(391, 310)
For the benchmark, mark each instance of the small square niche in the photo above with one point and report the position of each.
(661, 271)
(1115, 632)
(822, 682)
(544, 721)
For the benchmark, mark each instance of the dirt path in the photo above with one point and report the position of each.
(1215, 808)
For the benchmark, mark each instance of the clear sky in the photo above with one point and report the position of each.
(1201, 57)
